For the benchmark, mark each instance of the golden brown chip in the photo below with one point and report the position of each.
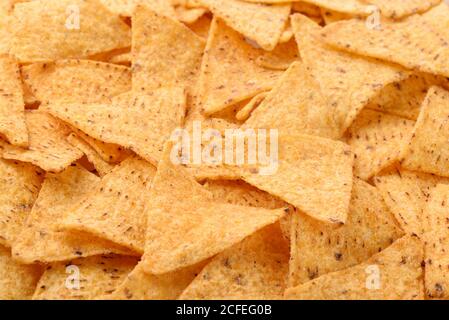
(40, 239)
(354, 7)
(377, 139)
(393, 274)
(76, 81)
(306, 8)
(83, 279)
(330, 16)
(244, 113)
(189, 15)
(20, 184)
(127, 7)
(318, 248)
(397, 9)
(254, 269)
(428, 149)
(48, 147)
(46, 30)
(281, 57)
(6, 22)
(164, 51)
(201, 26)
(115, 208)
(17, 281)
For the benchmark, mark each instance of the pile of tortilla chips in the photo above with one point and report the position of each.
(100, 200)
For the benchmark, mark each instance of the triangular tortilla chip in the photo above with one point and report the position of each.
(318, 249)
(397, 9)
(141, 123)
(165, 52)
(436, 215)
(76, 81)
(258, 22)
(126, 7)
(281, 57)
(405, 98)
(419, 42)
(397, 269)
(114, 209)
(6, 20)
(348, 82)
(377, 140)
(428, 149)
(189, 15)
(40, 240)
(313, 174)
(98, 275)
(406, 194)
(254, 269)
(140, 285)
(295, 106)
(244, 113)
(229, 72)
(46, 30)
(353, 7)
(185, 226)
(17, 281)
(48, 146)
(12, 115)
(102, 167)
(19, 184)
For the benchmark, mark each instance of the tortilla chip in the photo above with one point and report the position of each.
(185, 226)
(102, 167)
(189, 15)
(6, 22)
(139, 285)
(436, 215)
(20, 184)
(348, 82)
(294, 106)
(258, 22)
(12, 116)
(122, 59)
(330, 16)
(353, 7)
(406, 194)
(229, 72)
(397, 9)
(400, 274)
(40, 240)
(127, 7)
(244, 113)
(405, 98)
(76, 81)
(98, 275)
(313, 174)
(141, 123)
(307, 9)
(419, 42)
(254, 269)
(165, 52)
(201, 26)
(114, 209)
(45, 30)
(428, 149)
(17, 281)
(48, 147)
(318, 248)
(377, 140)
(281, 57)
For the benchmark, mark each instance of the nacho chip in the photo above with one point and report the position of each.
(258, 22)
(318, 248)
(20, 184)
(229, 72)
(330, 16)
(399, 269)
(6, 22)
(49, 30)
(189, 15)
(76, 81)
(406, 194)
(17, 281)
(185, 226)
(377, 140)
(405, 98)
(428, 149)
(281, 57)
(436, 215)
(115, 209)
(141, 123)
(306, 8)
(244, 113)
(254, 269)
(294, 106)
(140, 285)
(419, 42)
(123, 59)
(48, 147)
(201, 26)
(98, 275)
(348, 82)
(126, 7)
(40, 240)
(101, 166)
(353, 7)
(12, 116)
(165, 52)
(397, 9)
(313, 174)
